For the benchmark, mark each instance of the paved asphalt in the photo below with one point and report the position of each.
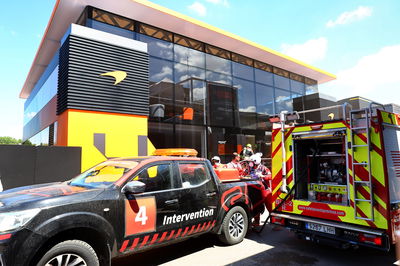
(274, 246)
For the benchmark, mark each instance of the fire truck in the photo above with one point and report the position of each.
(337, 181)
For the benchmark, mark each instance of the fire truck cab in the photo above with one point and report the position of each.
(337, 181)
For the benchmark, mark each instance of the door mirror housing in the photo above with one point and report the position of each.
(134, 187)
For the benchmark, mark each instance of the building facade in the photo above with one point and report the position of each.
(187, 84)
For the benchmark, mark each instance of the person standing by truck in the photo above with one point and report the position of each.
(235, 163)
(247, 152)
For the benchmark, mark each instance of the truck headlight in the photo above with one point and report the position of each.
(13, 220)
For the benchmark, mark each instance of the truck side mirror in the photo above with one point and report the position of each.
(134, 187)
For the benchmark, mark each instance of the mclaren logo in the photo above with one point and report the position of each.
(118, 75)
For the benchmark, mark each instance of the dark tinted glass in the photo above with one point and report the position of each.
(157, 177)
(161, 135)
(222, 104)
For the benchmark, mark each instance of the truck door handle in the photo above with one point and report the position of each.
(173, 201)
(211, 194)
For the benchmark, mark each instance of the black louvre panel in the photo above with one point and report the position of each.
(80, 85)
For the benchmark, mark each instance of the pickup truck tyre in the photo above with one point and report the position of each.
(70, 252)
(234, 226)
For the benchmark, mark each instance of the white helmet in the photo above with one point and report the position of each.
(216, 158)
(256, 158)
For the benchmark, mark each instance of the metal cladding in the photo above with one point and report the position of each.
(82, 86)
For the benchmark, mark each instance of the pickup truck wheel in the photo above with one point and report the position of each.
(234, 226)
(70, 253)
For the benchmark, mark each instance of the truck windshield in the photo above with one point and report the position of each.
(104, 174)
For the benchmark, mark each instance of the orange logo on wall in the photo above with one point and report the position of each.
(117, 75)
(140, 216)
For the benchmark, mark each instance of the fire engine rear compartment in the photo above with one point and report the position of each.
(320, 167)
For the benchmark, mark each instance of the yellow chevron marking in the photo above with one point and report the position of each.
(118, 75)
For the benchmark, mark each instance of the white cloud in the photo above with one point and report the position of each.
(351, 16)
(310, 52)
(198, 8)
(164, 75)
(249, 109)
(219, 2)
(375, 77)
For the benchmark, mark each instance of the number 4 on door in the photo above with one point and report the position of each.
(140, 216)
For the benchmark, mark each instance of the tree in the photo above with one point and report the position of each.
(12, 141)
(9, 140)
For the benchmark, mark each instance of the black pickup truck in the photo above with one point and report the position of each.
(122, 206)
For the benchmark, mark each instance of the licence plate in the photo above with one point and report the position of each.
(321, 228)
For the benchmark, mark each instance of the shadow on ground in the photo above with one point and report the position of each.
(281, 248)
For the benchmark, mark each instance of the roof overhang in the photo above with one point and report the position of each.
(68, 11)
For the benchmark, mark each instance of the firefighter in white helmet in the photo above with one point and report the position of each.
(261, 172)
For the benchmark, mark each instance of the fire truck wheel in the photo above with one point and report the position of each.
(70, 252)
(234, 226)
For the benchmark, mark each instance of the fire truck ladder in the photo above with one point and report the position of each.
(360, 122)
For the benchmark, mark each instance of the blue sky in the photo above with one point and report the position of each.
(359, 41)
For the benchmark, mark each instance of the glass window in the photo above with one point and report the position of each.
(283, 102)
(242, 71)
(281, 82)
(193, 174)
(264, 77)
(111, 29)
(218, 78)
(265, 99)
(190, 98)
(156, 177)
(222, 102)
(310, 89)
(189, 56)
(157, 47)
(104, 174)
(42, 97)
(161, 86)
(297, 87)
(161, 135)
(41, 138)
(247, 102)
(191, 136)
(185, 72)
(218, 64)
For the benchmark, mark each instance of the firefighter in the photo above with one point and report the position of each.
(216, 162)
(258, 170)
(235, 163)
(261, 172)
(247, 152)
